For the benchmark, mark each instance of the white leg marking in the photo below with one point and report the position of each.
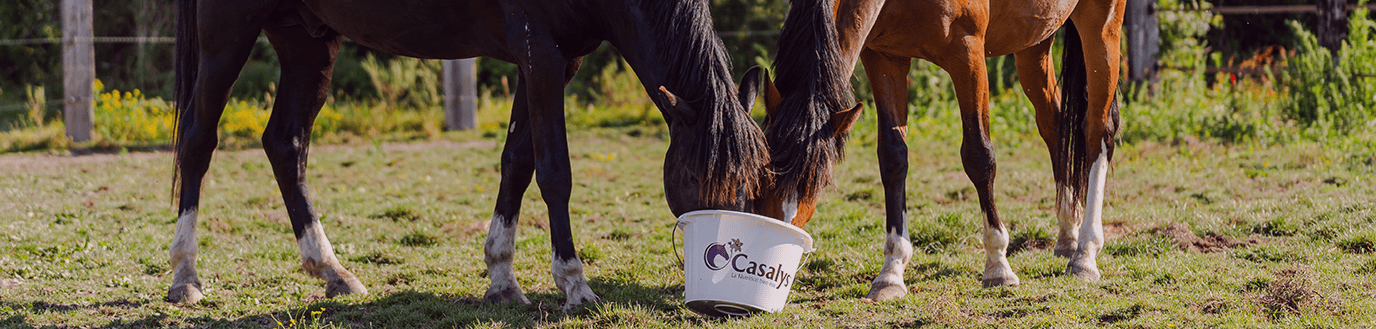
(186, 287)
(498, 250)
(898, 251)
(568, 276)
(316, 251)
(1083, 264)
(183, 250)
(318, 259)
(997, 272)
(1067, 220)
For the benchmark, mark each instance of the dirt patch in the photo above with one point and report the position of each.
(1213, 306)
(466, 230)
(1114, 230)
(1213, 242)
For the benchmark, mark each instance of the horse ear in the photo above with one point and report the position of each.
(675, 107)
(771, 96)
(844, 120)
(750, 87)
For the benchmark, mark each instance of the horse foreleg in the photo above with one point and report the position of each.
(968, 73)
(1038, 79)
(222, 55)
(543, 70)
(518, 163)
(888, 79)
(556, 186)
(307, 65)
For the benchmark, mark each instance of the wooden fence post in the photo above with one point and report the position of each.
(78, 68)
(1332, 25)
(1144, 36)
(460, 94)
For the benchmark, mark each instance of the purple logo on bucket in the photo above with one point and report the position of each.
(716, 257)
(719, 256)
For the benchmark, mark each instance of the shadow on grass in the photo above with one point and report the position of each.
(405, 309)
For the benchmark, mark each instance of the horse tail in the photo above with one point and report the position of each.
(188, 58)
(1070, 121)
(1074, 155)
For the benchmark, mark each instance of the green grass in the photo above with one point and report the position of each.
(85, 241)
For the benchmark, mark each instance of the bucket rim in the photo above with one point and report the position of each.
(807, 238)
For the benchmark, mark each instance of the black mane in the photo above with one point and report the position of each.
(729, 151)
(814, 82)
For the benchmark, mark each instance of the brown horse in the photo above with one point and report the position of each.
(716, 158)
(809, 110)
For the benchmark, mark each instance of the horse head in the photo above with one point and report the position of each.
(806, 136)
(717, 157)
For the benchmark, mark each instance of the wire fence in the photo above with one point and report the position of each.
(1234, 10)
(143, 40)
(24, 107)
(20, 42)
(1141, 23)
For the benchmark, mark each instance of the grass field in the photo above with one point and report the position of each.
(1200, 235)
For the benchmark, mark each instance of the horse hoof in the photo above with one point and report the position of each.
(1087, 274)
(1001, 282)
(185, 294)
(1065, 253)
(508, 294)
(885, 291)
(574, 303)
(346, 284)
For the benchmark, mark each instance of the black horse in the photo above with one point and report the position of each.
(716, 158)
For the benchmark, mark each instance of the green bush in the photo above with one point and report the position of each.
(1331, 98)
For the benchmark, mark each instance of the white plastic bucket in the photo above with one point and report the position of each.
(738, 263)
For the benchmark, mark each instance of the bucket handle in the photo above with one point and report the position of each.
(673, 241)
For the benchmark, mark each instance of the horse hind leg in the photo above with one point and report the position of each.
(1039, 84)
(186, 286)
(222, 54)
(888, 78)
(966, 66)
(1101, 36)
(307, 64)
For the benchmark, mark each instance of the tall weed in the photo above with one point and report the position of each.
(405, 81)
(38, 103)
